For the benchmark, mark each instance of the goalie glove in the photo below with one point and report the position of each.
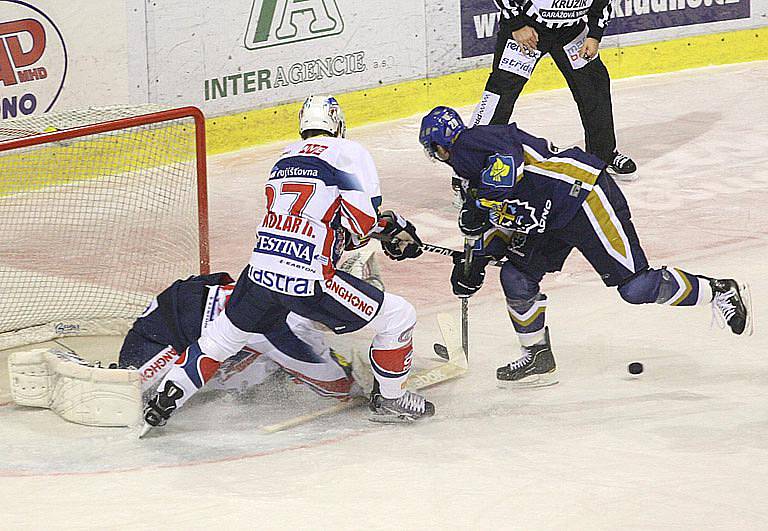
(466, 284)
(473, 220)
(398, 237)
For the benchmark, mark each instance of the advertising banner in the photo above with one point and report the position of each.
(640, 15)
(242, 55)
(61, 55)
(480, 18)
(33, 60)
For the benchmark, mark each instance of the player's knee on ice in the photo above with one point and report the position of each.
(647, 286)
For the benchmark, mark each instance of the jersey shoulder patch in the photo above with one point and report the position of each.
(499, 172)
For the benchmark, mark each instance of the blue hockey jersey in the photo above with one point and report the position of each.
(524, 183)
(175, 317)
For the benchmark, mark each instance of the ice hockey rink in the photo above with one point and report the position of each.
(684, 446)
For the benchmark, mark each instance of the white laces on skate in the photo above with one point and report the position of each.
(620, 160)
(412, 402)
(521, 362)
(722, 307)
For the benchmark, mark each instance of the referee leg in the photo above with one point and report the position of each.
(501, 90)
(591, 89)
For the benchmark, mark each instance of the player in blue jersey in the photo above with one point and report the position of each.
(532, 204)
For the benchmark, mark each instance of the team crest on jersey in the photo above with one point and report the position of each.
(500, 172)
(512, 214)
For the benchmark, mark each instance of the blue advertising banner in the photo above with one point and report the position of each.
(480, 18)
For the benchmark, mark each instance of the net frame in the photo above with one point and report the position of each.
(28, 138)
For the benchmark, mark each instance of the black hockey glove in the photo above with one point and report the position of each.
(466, 284)
(473, 220)
(398, 237)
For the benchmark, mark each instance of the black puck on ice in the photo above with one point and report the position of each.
(635, 367)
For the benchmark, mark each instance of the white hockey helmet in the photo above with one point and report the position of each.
(322, 113)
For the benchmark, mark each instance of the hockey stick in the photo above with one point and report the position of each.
(456, 366)
(447, 251)
(469, 244)
(442, 350)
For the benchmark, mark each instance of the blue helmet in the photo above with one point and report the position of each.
(440, 127)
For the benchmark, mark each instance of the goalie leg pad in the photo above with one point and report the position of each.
(75, 390)
(31, 379)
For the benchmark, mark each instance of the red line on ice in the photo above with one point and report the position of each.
(265, 453)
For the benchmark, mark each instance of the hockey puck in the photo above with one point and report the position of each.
(635, 367)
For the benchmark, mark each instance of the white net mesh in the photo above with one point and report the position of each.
(92, 227)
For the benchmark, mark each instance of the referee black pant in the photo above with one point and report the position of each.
(590, 87)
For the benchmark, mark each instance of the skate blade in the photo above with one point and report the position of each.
(145, 430)
(392, 419)
(624, 177)
(531, 382)
(746, 296)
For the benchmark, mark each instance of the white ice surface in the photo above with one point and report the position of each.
(685, 446)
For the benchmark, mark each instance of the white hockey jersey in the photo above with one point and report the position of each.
(318, 186)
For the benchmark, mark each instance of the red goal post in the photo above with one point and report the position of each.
(100, 209)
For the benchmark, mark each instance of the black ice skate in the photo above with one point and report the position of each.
(622, 168)
(159, 409)
(732, 305)
(534, 369)
(407, 408)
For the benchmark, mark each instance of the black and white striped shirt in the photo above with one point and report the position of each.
(557, 13)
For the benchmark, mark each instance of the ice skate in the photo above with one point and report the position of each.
(732, 305)
(408, 408)
(534, 369)
(622, 168)
(160, 407)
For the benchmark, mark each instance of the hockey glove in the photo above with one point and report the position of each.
(466, 284)
(398, 237)
(459, 194)
(353, 241)
(473, 220)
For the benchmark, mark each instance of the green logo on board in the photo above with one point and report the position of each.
(276, 22)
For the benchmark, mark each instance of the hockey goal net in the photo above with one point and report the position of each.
(99, 210)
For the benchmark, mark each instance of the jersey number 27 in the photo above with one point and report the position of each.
(302, 191)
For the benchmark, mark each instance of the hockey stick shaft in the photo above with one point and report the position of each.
(447, 251)
(465, 325)
(416, 381)
(469, 244)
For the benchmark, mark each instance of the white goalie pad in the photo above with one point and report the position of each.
(363, 265)
(74, 389)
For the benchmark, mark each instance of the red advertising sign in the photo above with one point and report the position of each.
(33, 60)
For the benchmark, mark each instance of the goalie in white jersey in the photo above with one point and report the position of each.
(322, 197)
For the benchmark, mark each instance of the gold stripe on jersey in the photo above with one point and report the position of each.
(525, 319)
(532, 318)
(685, 286)
(496, 233)
(565, 169)
(608, 228)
